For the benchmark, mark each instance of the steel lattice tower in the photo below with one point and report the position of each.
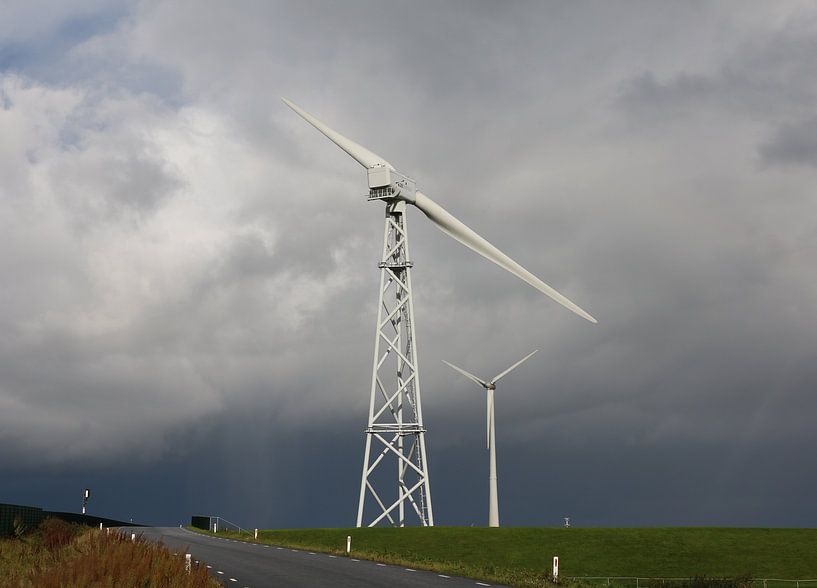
(395, 435)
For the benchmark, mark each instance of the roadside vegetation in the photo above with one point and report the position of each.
(522, 556)
(61, 555)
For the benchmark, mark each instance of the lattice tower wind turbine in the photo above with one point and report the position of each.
(490, 386)
(395, 426)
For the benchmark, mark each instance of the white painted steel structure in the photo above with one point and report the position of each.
(490, 386)
(395, 428)
(395, 431)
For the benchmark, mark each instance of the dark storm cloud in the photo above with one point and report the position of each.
(211, 323)
(768, 80)
(792, 144)
(769, 74)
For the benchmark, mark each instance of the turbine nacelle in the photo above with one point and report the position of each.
(388, 184)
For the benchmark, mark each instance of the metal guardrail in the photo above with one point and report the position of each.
(220, 523)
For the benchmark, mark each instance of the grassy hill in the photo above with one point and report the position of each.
(523, 556)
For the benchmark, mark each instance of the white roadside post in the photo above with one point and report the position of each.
(85, 496)
(215, 527)
(133, 536)
(188, 564)
(555, 568)
(348, 543)
(256, 533)
(100, 526)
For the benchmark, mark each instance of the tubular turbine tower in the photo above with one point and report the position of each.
(395, 428)
(490, 387)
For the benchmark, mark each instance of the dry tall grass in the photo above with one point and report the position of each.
(60, 555)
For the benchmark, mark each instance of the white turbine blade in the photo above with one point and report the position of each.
(471, 377)
(513, 367)
(459, 231)
(362, 155)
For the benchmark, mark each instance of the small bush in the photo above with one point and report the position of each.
(57, 533)
(19, 528)
(60, 555)
(114, 560)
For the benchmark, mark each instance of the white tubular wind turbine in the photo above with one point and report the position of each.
(490, 386)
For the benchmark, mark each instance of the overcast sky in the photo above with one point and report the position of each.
(190, 270)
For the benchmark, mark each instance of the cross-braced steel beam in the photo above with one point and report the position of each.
(395, 436)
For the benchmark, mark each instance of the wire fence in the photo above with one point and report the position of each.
(221, 524)
(647, 582)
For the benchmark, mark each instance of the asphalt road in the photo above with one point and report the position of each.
(252, 565)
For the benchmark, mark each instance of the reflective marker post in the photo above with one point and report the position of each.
(555, 568)
(348, 543)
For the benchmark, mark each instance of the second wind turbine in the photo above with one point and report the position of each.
(490, 386)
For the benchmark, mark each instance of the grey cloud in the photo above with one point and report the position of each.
(792, 144)
(769, 76)
(222, 293)
(131, 186)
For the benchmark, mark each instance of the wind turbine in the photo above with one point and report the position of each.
(395, 407)
(490, 386)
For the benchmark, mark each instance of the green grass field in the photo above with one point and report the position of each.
(522, 556)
